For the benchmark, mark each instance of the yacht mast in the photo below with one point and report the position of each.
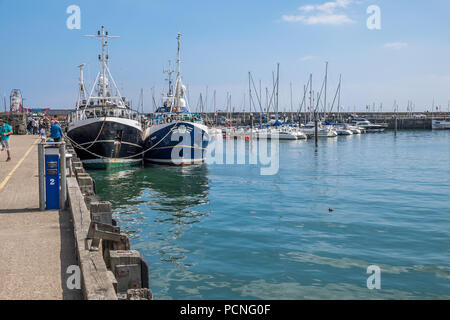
(278, 84)
(339, 97)
(326, 80)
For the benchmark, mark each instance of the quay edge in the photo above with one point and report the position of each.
(114, 271)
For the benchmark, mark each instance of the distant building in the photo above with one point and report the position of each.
(36, 111)
(59, 114)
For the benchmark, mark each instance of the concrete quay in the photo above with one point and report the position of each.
(42, 251)
(36, 247)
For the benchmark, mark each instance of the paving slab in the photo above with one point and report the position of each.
(35, 247)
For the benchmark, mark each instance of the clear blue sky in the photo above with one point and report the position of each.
(408, 59)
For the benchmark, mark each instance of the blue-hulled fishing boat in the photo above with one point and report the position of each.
(174, 135)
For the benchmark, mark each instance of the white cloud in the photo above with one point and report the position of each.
(327, 19)
(329, 7)
(396, 45)
(321, 14)
(307, 8)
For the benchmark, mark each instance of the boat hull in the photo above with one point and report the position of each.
(107, 143)
(374, 129)
(440, 125)
(181, 143)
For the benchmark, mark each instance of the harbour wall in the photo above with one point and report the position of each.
(110, 270)
(18, 122)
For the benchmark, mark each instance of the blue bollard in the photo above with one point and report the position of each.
(52, 181)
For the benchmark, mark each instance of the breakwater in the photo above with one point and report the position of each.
(405, 120)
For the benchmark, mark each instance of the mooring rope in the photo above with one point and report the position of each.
(99, 133)
(129, 157)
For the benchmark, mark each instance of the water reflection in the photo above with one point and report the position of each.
(120, 187)
(176, 189)
(156, 205)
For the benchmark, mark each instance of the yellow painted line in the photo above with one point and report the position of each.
(5, 181)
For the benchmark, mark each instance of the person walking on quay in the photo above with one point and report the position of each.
(43, 135)
(5, 132)
(35, 127)
(30, 127)
(56, 132)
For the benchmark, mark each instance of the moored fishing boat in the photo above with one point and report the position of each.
(174, 135)
(104, 130)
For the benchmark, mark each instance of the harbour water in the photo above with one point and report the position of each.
(226, 232)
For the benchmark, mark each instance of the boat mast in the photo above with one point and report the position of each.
(291, 97)
(104, 58)
(310, 97)
(82, 98)
(169, 72)
(278, 84)
(339, 97)
(178, 89)
(326, 80)
(169, 79)
(141, 100)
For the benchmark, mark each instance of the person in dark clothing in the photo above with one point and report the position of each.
(30, 127)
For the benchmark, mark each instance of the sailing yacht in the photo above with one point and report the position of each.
(175, 136)
(104, 130)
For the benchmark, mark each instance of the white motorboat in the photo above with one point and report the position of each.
(322, 131)
(343, 131)
(440, 125)
(370, 127)
(273, 133)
